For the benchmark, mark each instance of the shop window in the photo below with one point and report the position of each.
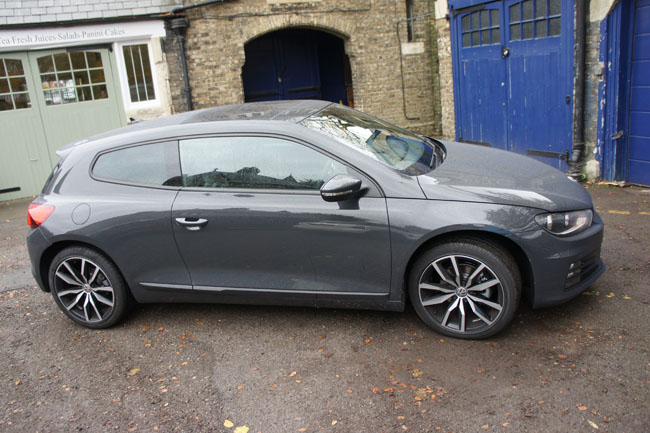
(72, 77)
(481, 28)
(13, 85)
(137, 65)
(535, 19)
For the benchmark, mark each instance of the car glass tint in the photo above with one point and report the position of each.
(381, 141)
(150, 164)
(255, 163)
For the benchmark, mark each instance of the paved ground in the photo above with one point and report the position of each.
(583, 366)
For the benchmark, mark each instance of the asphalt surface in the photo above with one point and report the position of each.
(583, 366)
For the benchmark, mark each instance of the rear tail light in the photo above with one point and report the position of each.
(38, 213)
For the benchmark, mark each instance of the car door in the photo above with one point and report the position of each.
(250, 216)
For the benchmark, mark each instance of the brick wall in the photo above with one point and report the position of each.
(593, 76)
(43, 11)
(447, 115)
(217, 34)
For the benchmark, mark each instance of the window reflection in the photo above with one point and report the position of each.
(255, 163)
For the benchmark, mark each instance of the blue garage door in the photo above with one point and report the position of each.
(638, 162)
(513, 76)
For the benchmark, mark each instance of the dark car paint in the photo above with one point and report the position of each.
(134, 225)
(486, 175)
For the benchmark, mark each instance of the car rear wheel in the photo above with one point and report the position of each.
(468, 288)
(88, 287)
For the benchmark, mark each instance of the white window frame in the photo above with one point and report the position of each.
(124, 79)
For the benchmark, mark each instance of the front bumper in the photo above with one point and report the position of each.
(563, 267)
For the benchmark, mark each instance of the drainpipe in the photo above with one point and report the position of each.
(179, 25)
(579, 98)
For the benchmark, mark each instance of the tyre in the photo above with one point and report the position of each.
(88, 287)
(466, 288)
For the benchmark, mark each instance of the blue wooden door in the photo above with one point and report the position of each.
(514, 76)
(638, 158)
(483, 103)
(281, 65)
(294, 64)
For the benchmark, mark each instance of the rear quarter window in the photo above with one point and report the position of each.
(154, 164)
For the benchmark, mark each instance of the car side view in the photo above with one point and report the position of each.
(308, 203)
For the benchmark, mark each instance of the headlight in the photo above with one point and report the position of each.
(566, 223)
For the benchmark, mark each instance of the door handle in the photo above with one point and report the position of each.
(505, 52)
(192, 224)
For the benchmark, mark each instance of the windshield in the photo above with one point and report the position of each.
(390, 145)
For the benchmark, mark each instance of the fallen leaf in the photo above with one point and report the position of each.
(302, 430)
(349, 391)
(562, 356)
(240, 387)
(593, 424)
(505, 424)
(581, 408)
(134, 371)
(375, 390)
(292, 374)
(481, 371)
(334, 422)
(485, 426)
(161, 329)
(626, 297)
(416, 372)
(610, 295)
(241, 429)
(228, 424)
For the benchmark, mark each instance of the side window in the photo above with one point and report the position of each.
(150, 164)
(254, 162)
(137, 65)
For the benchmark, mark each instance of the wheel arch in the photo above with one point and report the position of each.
(54, 249)
(510, 246)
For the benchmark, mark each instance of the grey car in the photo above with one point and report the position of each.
(308, 203)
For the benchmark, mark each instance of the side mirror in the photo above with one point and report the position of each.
(340, 188)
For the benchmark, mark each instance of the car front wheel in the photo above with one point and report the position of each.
(88, 287)
(467, 288)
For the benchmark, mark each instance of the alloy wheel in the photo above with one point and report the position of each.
(461, 293)
(84, 289)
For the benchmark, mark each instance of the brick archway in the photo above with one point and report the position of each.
(297, 63)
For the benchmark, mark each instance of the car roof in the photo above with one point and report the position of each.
(286, 111)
